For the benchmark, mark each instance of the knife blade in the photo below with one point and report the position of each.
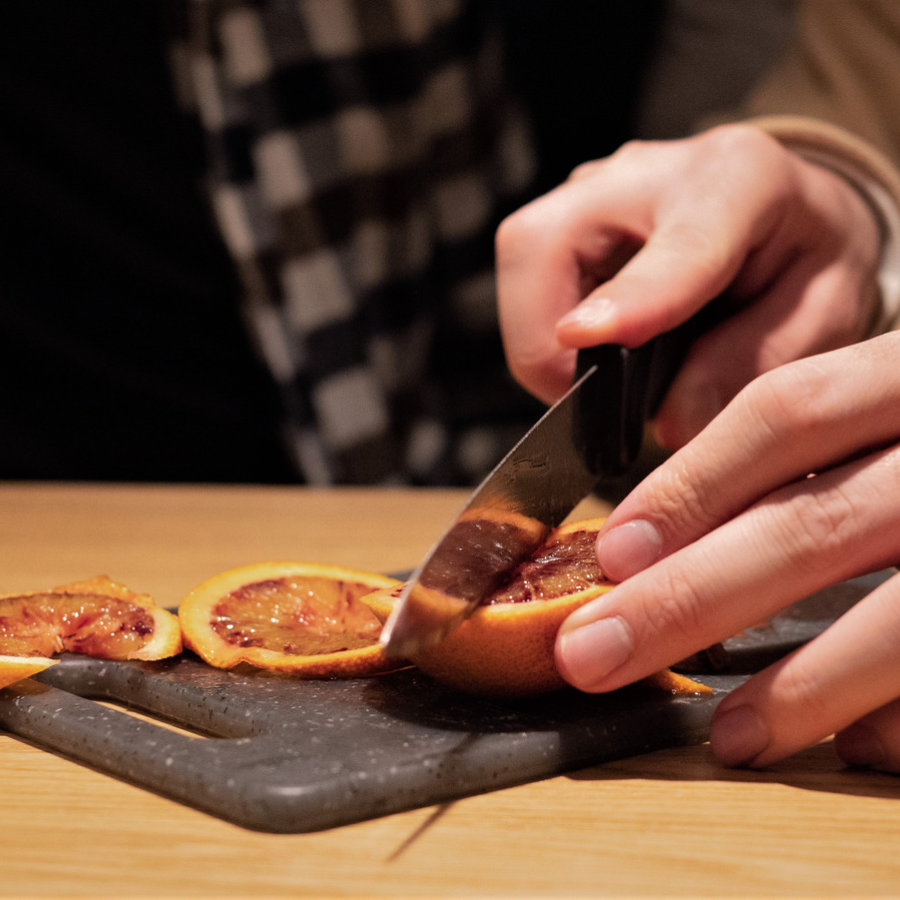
(594, 431)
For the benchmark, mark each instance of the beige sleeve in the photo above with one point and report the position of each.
(871, 173)
(842, 67)
(834, 99)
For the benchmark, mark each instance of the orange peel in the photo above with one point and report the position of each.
(506, 646)
(98, 617)
(294, 618)
(15, 668)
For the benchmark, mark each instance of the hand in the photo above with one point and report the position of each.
(794, 486)
(635, 244)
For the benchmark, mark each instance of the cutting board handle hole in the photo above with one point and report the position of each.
(146, 716)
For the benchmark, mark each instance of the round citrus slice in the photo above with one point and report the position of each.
(97, 617)
(295, 618)
(506, 647)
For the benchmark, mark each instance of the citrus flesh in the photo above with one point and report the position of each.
(289, 617)
(97, 617)
(506, 646)
(564, 564)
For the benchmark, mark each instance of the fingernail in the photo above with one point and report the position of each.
(628, 549)
(738, 736)
(595, 312)
(588, 654)
(860, 746)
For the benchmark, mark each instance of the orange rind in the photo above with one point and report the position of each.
(15, 668)
(506, 646)
(97, 617)
(294, 618)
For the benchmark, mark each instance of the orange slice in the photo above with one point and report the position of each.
(506, 647)
(290, 617)
(97, 617)
(15, 668)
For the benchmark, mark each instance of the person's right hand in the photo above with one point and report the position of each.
(635, 244)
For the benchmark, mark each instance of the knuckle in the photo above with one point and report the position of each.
(791, 402)
(630, 149)
(816, 529)
(740, 142)
(818, 526)
(681, 505)
(587, 169)
(520, 232)
(800, 690)
(709, 255)
(634, 154)
(679, 615)
(512, 231)
(685, 511)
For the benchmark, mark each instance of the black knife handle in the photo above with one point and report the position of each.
(613, 408)
(609, 418)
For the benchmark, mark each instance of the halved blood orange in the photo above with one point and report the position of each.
(97, 617)
(506, 647)
(291, 617)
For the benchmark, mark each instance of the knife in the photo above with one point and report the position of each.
(593, 432)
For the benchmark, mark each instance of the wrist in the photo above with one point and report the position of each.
(871, 174)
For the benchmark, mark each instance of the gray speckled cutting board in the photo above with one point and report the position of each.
(283, 755)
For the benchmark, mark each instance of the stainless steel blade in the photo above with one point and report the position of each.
(594, 431)
(537, 484)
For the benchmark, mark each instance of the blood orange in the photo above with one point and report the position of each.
(97, 617)
(290, 617)
(506, 647)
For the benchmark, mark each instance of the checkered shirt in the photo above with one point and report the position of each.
(361, 154)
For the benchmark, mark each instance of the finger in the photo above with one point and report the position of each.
(873, 742)
(538, 280)
(840, 677)
(553, 252)
(797, 540)
(698, 238)
(549, 255)
(797, 419)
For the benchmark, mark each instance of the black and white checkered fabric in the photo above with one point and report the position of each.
(361, 154)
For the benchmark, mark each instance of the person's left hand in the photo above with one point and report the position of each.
(794, 486)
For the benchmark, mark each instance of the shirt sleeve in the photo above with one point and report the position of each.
(871, 173)
(833, 99)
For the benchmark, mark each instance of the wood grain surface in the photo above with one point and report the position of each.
(672, 823)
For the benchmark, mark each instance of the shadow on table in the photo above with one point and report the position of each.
(814, 769)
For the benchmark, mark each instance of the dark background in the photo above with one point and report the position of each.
(122, 351)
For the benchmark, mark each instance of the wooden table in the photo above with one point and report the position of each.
(668, 823)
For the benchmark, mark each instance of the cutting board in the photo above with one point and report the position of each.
(277, 754)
